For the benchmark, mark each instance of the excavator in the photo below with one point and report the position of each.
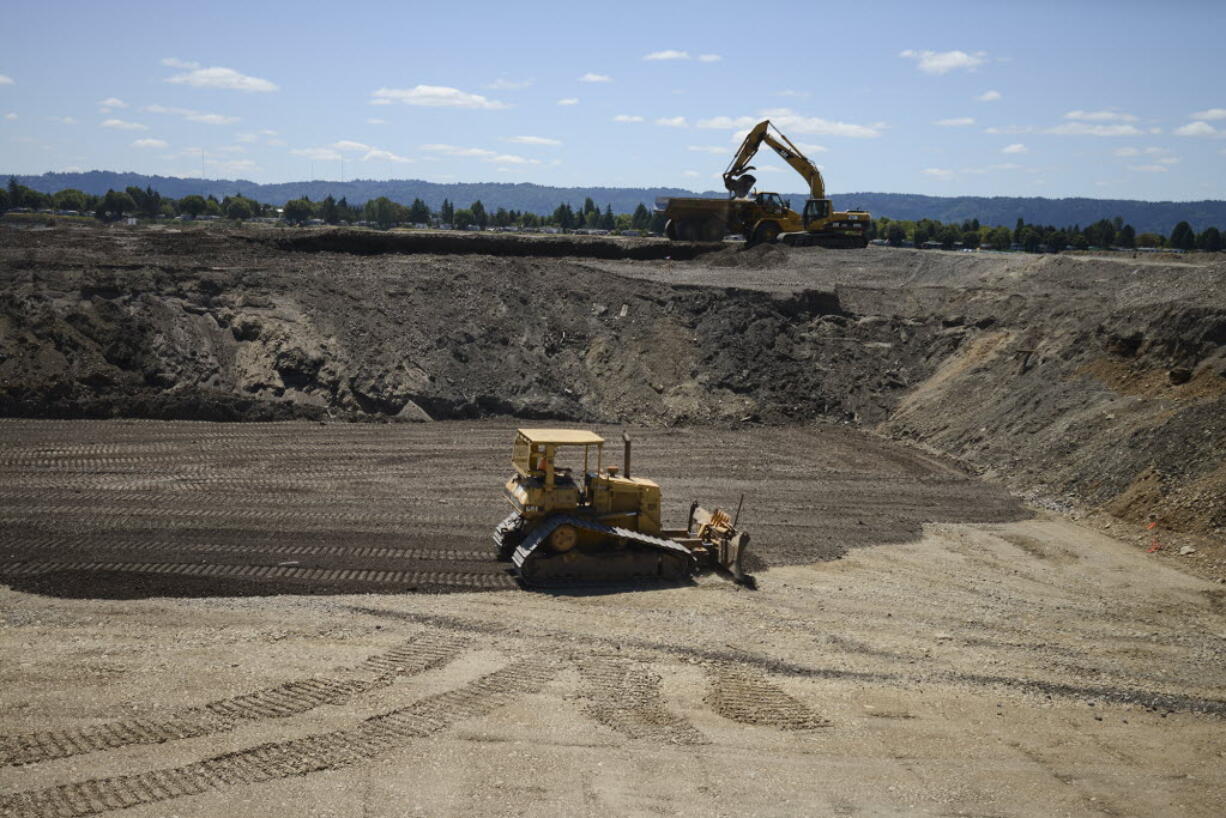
(598, 524)
(763, 217)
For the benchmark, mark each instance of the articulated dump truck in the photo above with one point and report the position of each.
(601, 525)
(765, 217)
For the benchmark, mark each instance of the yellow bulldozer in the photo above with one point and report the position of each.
(762, 216)
(600, 524)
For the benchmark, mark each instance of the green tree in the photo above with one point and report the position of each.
(328, 210)
(947, 236)
(1080, 242)
(1057, 241)
(297, 211)
(1210, 240)
(69, 199)
(1000, 238)
(1150, 240)
(895, 234)
(4, 199)
(641, 217)
(238, 209)
(1127, 236)
(212, 206)
(1018, 231)
(464, 218)
(114, 205)
(1182, 237)
(1031, 240)
(419, 213)
(447, 212)
(970, 239)
(481, 218)
(193, 205)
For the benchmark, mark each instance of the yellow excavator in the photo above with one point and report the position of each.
(762, 216)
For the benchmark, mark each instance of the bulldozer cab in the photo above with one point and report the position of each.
(535, 455)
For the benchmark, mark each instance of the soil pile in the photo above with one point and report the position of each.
(756, 257)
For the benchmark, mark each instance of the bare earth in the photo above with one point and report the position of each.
(218, 620)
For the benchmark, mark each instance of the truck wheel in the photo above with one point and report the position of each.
(766, 233)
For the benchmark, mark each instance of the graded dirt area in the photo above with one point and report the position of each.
(986, 494)
(214, 619)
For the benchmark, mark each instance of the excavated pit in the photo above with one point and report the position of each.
(1079, 380)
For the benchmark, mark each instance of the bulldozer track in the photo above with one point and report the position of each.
(268, 762)
(418, 655)
(746, 696)
(625, 696)
(427, 579)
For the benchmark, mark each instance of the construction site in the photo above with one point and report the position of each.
(250, 476)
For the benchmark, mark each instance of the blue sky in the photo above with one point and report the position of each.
(1102, 99)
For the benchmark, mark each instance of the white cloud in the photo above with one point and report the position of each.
(809, 147)
(219, 77)
(672, 122)
(569, 101)
(1169, 160)
(121, 125)
(482, 154)
(349, 145)
(1139, 151)
(709, 58)
(667, 55)
(1016, 147)
(318, 154)
(794, 123)
(508, 158)
(150, 143)
(534, 140)
(989, 96)
(1100, 116)
(956, 122)
(438, 96)
(110, 104)
(233, 165)
(1149, 168)
(387, 156)
(63, 120)
(726, 122)
(1212, 113)
(1085, 129)
(590, 77)
(254, 136)
(938, 173)
(6, 80)
(1197, 129)
(193, 116)
(10, 116)
(376, 121)
(1009, 129)
(627, 118)
(707, 149)
(503, 84)
(942, 62)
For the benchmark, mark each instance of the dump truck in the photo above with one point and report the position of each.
(593, 523)
(763, 217)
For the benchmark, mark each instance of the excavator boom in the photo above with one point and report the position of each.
(764, 131)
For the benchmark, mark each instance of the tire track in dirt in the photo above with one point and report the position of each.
(496, 578)
(625, 695)
(278, 760)
(282, 701)
(748, 697)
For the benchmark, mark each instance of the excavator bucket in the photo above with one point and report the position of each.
(740, 187)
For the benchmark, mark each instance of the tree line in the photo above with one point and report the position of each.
(385, 213)
(1033, 238)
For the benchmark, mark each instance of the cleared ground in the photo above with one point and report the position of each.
(208, 620)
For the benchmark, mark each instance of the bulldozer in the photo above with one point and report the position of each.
(602, 525)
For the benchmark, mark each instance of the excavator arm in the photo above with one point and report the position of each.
(739, 184)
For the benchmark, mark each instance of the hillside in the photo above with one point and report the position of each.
(1157, 217)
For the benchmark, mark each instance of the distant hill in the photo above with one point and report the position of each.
(1159, 217)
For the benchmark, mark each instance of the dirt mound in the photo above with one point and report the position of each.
(755, 257)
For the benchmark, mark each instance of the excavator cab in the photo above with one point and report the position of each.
(816, 210)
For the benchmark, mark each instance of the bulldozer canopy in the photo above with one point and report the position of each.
(561, 437)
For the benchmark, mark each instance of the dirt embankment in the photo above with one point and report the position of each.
(1079, 380)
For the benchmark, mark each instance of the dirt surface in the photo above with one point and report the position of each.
(1083, 382)
(212, 619)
